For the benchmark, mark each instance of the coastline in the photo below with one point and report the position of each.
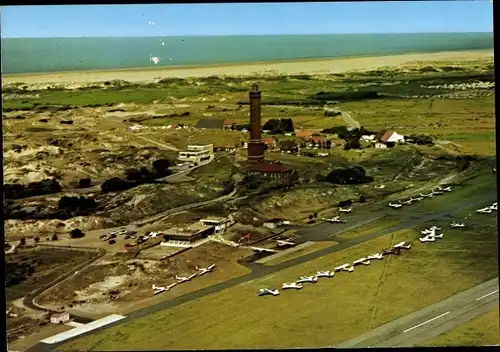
(292, 66)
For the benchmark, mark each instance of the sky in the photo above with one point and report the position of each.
(246, 19)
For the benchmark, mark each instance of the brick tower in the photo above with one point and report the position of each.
(256, 145)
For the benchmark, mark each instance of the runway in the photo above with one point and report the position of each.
(315, 231)
(417, 327)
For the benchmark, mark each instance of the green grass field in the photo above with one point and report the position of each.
(348, 304)
(300, 252)
(481, 331)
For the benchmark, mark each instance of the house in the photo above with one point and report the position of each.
(288, 146)
(271, 142)
(368, 138)
(188, 236)
(220, 223)
(380, 145)
(215, 124)
(274, 172)
(318, 140)
(306, 134)
(59, 318)
(390, 136)
(197, 153)
(274, 223)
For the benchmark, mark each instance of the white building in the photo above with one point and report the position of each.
(380, 145)
(59, 318)
(197, 153)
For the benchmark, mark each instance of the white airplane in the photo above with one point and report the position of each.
(428, 232)
(181, 279)
(435, 192)
(484, 211)
(494, 207)
(427, 238)
(447, 189)
(282, 243)
(361, 261)
(158, 289)
(345, 267)
(205, 270)
(434, 228)
(325, 274)
(153, 234)
(335, 220)
(404, 245)
(375, 256)
(409, 201)
(268, 291)
(260, 250)
(395, 205)
(312, 279)
(294, 285)
(342, 210)
(426, 195)
(418, 199)
(456, 224)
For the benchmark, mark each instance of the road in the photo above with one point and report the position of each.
(261, 270)
(419, 326)
(349, 120)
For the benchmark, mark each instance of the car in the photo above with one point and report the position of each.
(126, 237)
(112, 235)
(111, 242)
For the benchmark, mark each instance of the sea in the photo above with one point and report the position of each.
(39, 55)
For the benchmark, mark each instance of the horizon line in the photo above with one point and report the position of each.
(242, 35)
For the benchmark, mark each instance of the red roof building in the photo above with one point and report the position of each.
(227, 124)
(270, 141)
(303, 134)
(274, 171)
(386, 136)
(318, 139)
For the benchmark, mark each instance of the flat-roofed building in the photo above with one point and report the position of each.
(197, 153)
(220, 223)
(59, 318)
(187, 236)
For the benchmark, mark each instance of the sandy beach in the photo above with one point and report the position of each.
(316, 66)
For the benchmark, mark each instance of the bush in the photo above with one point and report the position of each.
(22, 241)
(345, 203)
(115, 184)
(76, 233)
(54, 237)
(161, 164)
(362, 199)
(354, 175)
(84, 183)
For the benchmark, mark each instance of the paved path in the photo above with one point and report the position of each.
(261, 271)
(419, 326)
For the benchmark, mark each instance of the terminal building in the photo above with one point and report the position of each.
(187, 236)
(197, 153)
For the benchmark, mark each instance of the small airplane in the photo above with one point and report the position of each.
(375, 256)
(404, 245)
(342, 210)
(494, 207)
(345, 267)
(456, 224)
(325, 274)
(294, 285)
(361, 261)
(158, 289)
(335, 220)
(409, 201)
(436, 193)
(395, 205)
(427, 238)
(428, 232)
(418, 199)
(438, 236)
(396, 251)
(447, 189)
(260, 250)
(434, 228)
(282, 243)
(268, 291)
(426, 195)
(484, 211)
(205, 270)
(312, 279)
(181, 279)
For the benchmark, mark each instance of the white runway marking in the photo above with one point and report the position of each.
(428, 321)
(477, 299)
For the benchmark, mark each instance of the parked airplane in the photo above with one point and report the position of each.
(409, 201)
(291, 285)
(376, 256)
(260, 250)
(436, 193)
(325, 274)
(426, 195)
(404, 245)
(395, 205)
(494, 207)
(282, 243)
(267, 291)
(418, 199)
(345, 267)
(158, 289)
(484, 211)
(334, 220)
(438, 236)
(456, 224)
(428, 232)
(396, 251)
(181, 279)
(303, 279)
(427, 238)
(205, 270)
(342, 210)
(361, 261)
(447, 189)
(434, 228)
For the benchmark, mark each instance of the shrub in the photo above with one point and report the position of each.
(85, 183)
(54, 237)
(76, 233)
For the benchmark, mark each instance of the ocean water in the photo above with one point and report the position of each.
(32, 55)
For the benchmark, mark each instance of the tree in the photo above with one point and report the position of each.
(84, 183)
(22, 241)
(271, 125)
(133, 174)
(328, 144)
(286, 125)
(362, 199)
(76, 233)
(115, 184)
(161, 164)
(54, 237)
(36, 239)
